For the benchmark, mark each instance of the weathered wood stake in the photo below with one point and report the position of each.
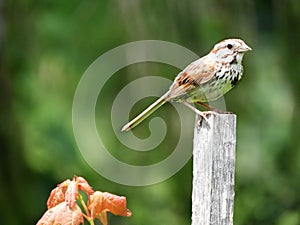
(213, 171)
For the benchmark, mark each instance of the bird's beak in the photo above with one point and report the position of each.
(245, 48)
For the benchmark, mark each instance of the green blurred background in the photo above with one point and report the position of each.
(45, 47)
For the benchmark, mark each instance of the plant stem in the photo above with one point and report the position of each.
(91, 221)
(87, 216)
(80, 198)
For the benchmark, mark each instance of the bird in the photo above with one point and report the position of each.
(205, 79)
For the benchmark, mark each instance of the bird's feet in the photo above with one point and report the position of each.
(201, 115)
(204, 116)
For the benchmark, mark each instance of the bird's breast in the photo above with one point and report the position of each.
(225, 78)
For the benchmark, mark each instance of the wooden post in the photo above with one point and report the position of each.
(213, 170)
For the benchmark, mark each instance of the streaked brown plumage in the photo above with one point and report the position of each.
(206, 79)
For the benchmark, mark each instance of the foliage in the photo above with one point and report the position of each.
(64, 209)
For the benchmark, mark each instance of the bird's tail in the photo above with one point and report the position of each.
(147, 112)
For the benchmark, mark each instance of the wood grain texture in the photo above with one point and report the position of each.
(213, 171)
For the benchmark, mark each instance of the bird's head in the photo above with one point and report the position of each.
(227, 50)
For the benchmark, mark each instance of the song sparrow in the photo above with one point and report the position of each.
(205, 79)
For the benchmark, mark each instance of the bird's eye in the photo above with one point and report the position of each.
(229, 46)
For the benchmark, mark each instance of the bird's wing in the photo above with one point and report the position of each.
(194, 75)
